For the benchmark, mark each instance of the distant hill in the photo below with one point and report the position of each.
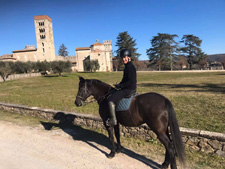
(216, 57)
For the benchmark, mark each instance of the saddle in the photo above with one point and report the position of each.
(124, 103)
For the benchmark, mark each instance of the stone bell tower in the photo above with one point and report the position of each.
(44, 38)
(108, 55)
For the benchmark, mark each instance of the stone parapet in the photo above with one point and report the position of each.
(199, 140)
(21, 76)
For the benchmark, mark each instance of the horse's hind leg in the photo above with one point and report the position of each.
(167, 156)
(117, 134)
(170, 156)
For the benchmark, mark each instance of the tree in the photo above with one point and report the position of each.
(163, 47)
(63, 50)
(43, 66)
(141, 65)
(21, 67)
(5, 70)
(191, 49)
(223, 62)
(94, 65)
(115, 61)
(182, 62)
(91, 65)
(125, 41)
(60, 67)
(202, 60)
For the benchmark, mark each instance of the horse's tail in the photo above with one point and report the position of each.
(175, 132)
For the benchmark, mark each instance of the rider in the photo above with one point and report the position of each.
(126, 86)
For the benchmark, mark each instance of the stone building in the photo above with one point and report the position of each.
(7, 58)
(45, 43)
(46, 50)
(97, 51)
(27, 54)
(44, 38)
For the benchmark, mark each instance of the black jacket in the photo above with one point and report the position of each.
(129, 80)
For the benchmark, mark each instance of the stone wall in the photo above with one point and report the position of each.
(199, 140)
(21, 76)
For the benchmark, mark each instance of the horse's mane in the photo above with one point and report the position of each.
(100, 83)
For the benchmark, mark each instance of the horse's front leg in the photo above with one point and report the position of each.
(117, 134)
(111, 139)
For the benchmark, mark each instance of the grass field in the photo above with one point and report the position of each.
(198, 98)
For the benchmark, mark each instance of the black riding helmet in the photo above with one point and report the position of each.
(125, 52)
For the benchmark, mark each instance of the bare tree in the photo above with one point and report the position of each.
(182, 62)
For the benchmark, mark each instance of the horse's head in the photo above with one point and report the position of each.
(83, 92)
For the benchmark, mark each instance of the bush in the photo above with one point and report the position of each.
(61, 66)
(21, 67)
(18, 67)
(43, 67)
(91, 65)
(5, 70)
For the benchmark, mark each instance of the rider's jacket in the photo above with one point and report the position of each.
(129, 80)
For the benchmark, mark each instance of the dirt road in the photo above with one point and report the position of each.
(23, 147)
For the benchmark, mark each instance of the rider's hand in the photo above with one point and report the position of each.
(117, 85)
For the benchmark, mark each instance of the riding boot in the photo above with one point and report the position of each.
(112, 120)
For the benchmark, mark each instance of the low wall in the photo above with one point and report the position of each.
(21, 76)
(199, 140)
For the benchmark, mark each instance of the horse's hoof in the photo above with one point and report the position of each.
(111, 155)
(119, 149)
(164, 166)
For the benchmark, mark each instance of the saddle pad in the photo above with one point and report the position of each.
(124, 103)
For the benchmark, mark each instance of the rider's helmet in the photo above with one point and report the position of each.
(125, 52)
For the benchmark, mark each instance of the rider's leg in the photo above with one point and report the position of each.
(112, 111)
(112, 100)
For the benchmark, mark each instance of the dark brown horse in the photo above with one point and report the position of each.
(151, 108)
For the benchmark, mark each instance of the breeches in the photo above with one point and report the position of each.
(118, 95)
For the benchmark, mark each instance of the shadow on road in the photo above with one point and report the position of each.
(89, 136)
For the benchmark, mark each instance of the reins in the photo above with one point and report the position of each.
(93, 99)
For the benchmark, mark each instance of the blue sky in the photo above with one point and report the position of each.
(78, 23)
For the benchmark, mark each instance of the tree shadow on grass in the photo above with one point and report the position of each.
(89, 136)
(222, 74)
(50, 76)
(207, 87)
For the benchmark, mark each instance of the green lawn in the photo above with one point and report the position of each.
(198, 98)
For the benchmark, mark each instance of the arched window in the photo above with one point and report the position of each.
(43, 44)
(42, 37)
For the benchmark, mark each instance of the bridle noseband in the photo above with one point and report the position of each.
(93, 100)
(85, 91)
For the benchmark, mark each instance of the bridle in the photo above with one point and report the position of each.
(93, 100)
(85, 92)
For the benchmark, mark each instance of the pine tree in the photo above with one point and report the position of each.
(192, 49)
(63, 50)
(163, 50)
(125, 41)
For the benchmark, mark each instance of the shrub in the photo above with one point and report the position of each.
(5, 70)
(61, 66)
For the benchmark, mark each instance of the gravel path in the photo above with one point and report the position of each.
(23, 147)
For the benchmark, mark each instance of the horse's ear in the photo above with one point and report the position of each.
(81, 79)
